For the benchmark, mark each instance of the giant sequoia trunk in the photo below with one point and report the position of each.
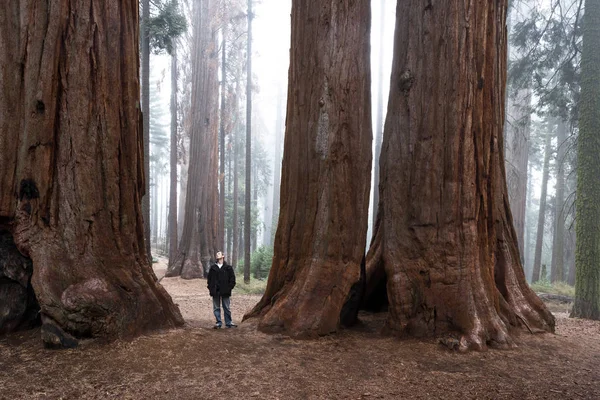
(199, 238)
(444, 237)
(71, 166)
(587, 257)
(322, 227)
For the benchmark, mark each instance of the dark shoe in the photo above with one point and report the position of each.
(232, 325)
(217, 326)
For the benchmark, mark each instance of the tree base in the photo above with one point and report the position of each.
(185, 267)
(19, 308)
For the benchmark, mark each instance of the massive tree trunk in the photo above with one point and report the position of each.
(172, 234)
(201, 223)
(558, 247)
(517, 155)
(587, 285)
(247, 189)
(319, 244)
(72, 168)
(444, 238)
(537, 261)
(145, 42)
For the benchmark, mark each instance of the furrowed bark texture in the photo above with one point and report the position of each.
(444, 236)
(201, 224)
(71, 165)
(587, 253)
(326, 165)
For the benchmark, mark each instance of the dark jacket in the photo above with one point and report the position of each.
(220, 281)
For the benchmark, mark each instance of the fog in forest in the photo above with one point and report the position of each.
(300, 199)
(542, 89)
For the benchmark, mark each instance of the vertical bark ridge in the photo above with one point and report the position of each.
(77, 172)
(326, 165)
(447, 244)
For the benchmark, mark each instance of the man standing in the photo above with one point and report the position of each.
(220, 283)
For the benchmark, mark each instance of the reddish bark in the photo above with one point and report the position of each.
(444, 237)
(322, 227)
(71, 170)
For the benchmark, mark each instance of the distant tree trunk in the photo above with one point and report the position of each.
(379, 117)
(570, 256)
(172, 234)
(146, 120)
(154, 226)
(221, 239)
(444, 238)
(200, 226)
(587, 285)
(183, 182)
(558, 247)
(279, 130)
(537, 261)
(72, 173)
(517, 156)
(236, 231)
(228, 254)
(323, 219)
(528, 264)
(254, 243)
(247, 189)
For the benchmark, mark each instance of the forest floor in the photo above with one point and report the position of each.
(198, 362)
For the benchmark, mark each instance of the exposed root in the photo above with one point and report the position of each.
(524, 323)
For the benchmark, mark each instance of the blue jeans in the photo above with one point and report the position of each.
(217, 309)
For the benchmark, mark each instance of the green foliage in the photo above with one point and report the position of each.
(261, 261)
(547, 55)
(256, 286)
(561, 288)
(166, 26)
